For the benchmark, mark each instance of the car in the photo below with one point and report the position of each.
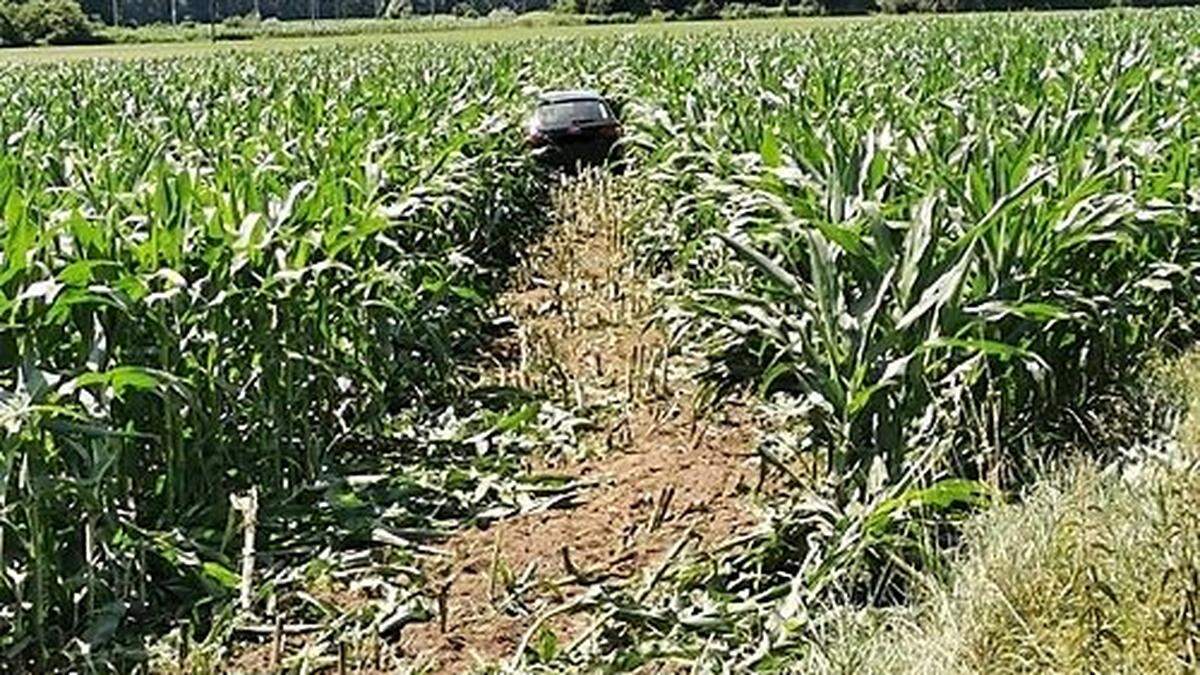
(570, 128)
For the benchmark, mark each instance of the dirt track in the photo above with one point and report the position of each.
(662, 472)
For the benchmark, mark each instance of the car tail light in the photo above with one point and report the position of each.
(613, 132)
(536, 139)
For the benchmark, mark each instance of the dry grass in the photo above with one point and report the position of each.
(1097, 570)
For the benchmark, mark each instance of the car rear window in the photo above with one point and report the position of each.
(566, 112)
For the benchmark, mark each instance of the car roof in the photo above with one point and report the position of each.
(563, 95)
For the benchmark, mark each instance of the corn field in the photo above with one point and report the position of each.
(992, 216)
(938, 248)
(934, 241)
(215, 272)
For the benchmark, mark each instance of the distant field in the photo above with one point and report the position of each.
(173, 45)
(488, 34)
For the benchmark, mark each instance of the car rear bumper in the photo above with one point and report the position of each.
(596, 152)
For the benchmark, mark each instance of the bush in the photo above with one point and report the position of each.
(803, 8)
(634, 7)
(656, 16)
(737, 10)
(13, 30)
(613, 18)
(63, 22)
(540, 19)
(248, 21)
(52, 21)
(906, 6)
(734, 10)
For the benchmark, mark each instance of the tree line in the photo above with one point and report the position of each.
(142, 12)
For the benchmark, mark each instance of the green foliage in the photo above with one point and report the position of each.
(242, 22)
(546, 647)
(906, 6)
(938, 262)
(404, 22)
(945, 248)
(740, 11)
(467, 10)
(1092, 571)
(215, 273)
(50, 21)
(63, 22)
(934, 242)
(622, 11)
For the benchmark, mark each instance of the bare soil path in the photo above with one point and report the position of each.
(584, 333)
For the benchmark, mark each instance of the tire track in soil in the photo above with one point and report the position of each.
(584, 334)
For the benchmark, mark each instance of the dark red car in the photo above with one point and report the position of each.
(574, 127)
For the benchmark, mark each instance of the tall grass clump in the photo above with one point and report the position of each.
(1094, 571)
